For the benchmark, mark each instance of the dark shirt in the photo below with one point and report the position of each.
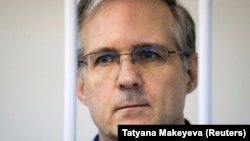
(98, 139)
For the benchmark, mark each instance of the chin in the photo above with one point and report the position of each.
(135, 116)
(135, 121)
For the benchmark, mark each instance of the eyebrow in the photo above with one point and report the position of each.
(140, 45)
(102, 49)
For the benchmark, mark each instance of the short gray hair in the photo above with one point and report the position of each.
(183, 31)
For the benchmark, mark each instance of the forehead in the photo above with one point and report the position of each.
(127, 22)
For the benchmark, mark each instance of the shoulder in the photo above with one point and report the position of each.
(96, 138)
(187, 122)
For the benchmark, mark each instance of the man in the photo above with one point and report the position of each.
(136, 62)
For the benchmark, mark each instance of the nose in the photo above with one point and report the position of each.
(129, 76)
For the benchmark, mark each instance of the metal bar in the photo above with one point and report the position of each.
(205, 62)
(70, 71)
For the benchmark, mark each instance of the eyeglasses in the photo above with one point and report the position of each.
(145, 57)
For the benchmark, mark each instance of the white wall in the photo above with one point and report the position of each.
(31, 69)
(231, 62)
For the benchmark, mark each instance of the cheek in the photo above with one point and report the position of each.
(168, 86)
(95, 90)
(169, 79)
(97, 85)
(166, 90)
(98, 95)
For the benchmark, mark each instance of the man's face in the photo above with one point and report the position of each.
(130, 94)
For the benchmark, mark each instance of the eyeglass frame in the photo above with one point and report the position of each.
(131, 54)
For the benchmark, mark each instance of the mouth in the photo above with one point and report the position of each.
(133, 106)
(133, 114)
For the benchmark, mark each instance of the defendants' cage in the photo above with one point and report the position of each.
(70, 66)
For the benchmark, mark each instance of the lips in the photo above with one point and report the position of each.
(132, 106)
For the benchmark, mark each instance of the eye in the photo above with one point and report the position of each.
(105, 59)
(148, 55)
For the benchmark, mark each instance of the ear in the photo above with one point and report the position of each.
(80, 91)
(192, 72)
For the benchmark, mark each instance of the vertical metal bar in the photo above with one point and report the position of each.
(70, 71)
(205, 62)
